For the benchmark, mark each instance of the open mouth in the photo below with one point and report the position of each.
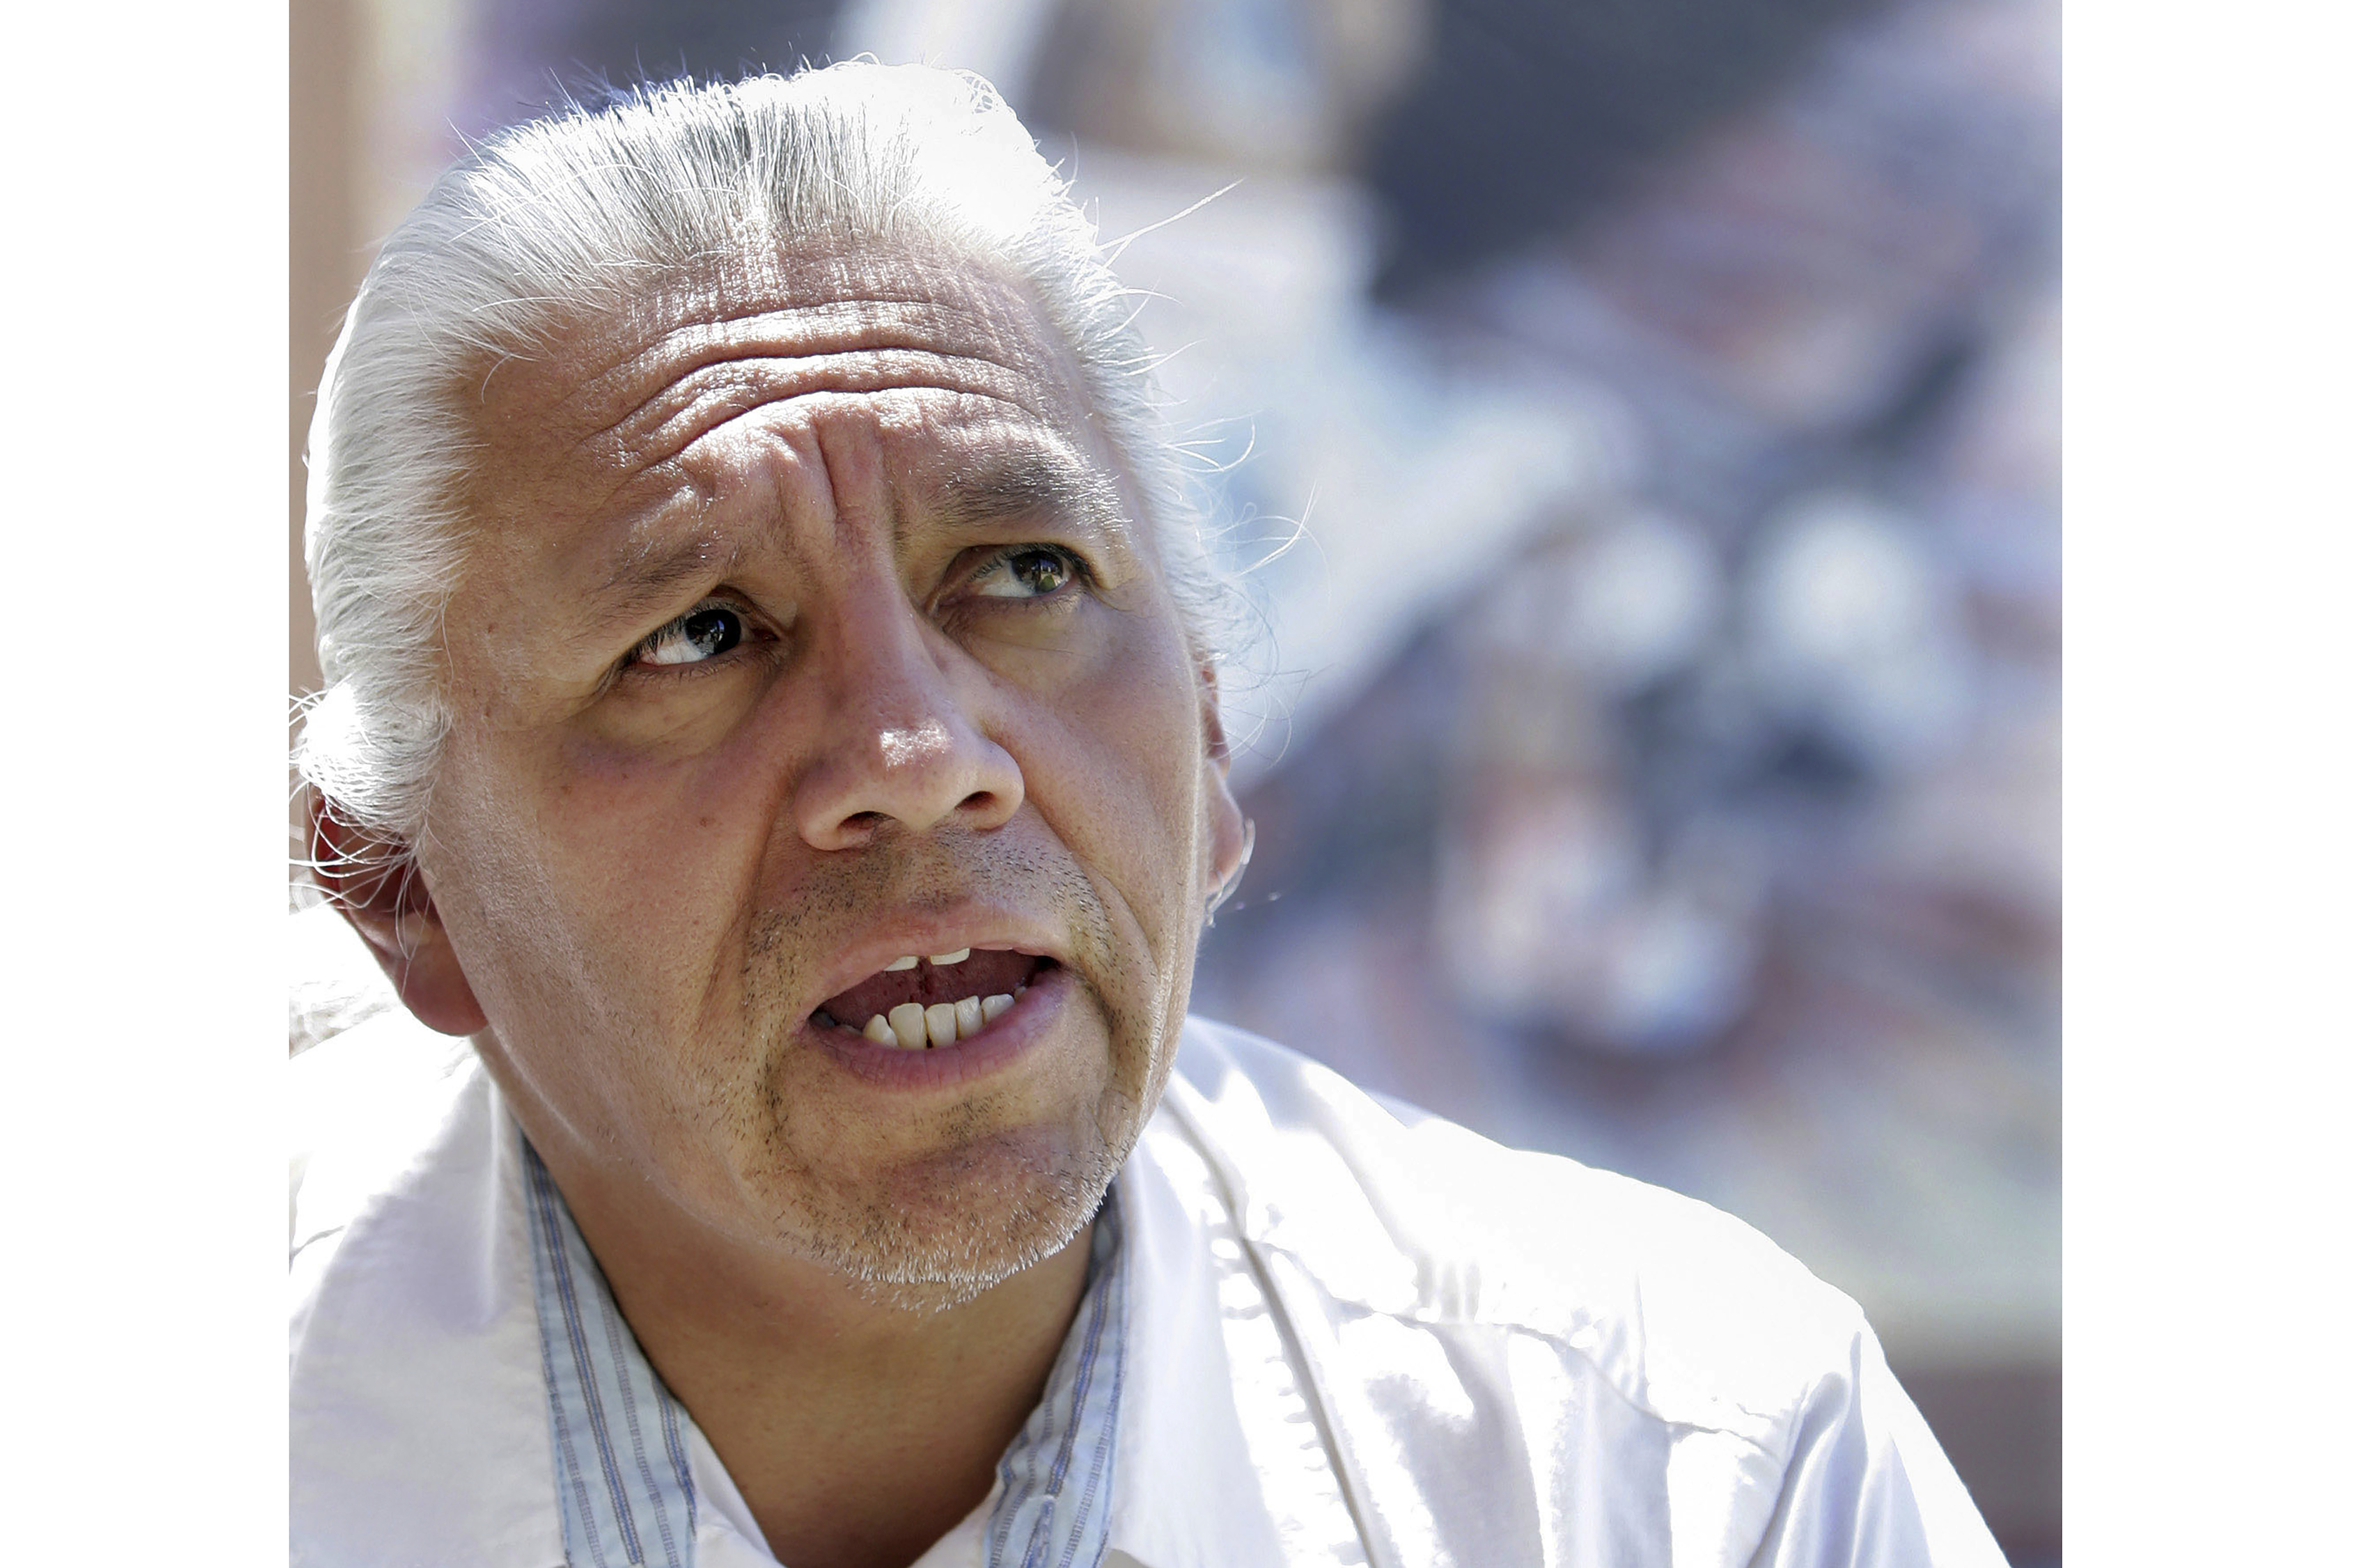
(921, 1002)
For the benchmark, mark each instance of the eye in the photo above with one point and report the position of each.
(1029, 571)
(702, 633)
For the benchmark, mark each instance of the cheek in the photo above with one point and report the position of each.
(1122, 783)
(663, 838)
(607, 881)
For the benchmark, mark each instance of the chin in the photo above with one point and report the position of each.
(937, 1232)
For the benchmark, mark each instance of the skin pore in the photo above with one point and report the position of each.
(807, 621)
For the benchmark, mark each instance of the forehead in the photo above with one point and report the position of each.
(945, 359)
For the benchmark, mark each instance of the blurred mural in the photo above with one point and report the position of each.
(1639, 429)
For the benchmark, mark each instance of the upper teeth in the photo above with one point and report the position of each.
(911, 1027)
(958, 956)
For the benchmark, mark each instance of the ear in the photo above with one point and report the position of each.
(1227, 835)
(377, 886)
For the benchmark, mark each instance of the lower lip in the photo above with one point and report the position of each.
(1010, 1034)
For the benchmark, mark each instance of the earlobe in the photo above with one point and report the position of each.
(377, 886)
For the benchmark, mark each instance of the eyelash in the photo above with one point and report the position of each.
(1081, 574)
(636, 662)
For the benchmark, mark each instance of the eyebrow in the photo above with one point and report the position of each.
(1026, 485)
(652, 573)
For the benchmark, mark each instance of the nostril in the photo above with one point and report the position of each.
(863, 782)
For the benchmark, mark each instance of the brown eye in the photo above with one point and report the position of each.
(1032, 571)
(704, 632)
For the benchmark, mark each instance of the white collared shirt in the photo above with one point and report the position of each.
(1355, 1334)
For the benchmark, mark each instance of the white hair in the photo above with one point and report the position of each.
(568, 214)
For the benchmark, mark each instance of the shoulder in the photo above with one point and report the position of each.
(364, 1106)
(1511, 1351)
(1691, 1316)
(390, 1150)
(418, 1415)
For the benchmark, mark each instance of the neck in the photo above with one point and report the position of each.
(858, 1432)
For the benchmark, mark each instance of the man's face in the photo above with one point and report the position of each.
(807, 623)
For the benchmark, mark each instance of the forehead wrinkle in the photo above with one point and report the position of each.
(703, 330)
(862, 322)
(710, 398)
(631, 387)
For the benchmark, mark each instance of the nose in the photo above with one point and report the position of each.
(898, 748)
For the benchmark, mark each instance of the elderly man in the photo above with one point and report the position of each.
(772, 719)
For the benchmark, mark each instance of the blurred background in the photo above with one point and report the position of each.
(1639, 426)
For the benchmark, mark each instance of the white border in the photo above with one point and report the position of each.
(140, 1149)
(2209, 783)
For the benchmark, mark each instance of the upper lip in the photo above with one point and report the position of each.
(935, 931)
